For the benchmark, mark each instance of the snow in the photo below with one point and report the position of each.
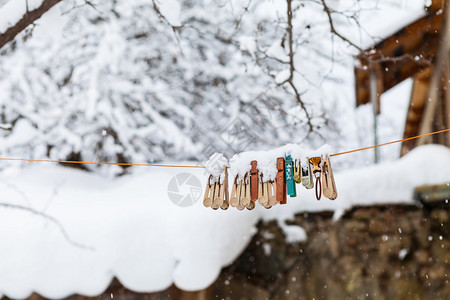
(132, 231)
(143, 239)
(402, 253)
(384, 18)
(240, 163)
(215, 166)
(294, 233)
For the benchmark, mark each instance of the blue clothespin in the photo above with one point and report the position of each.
(290, 183)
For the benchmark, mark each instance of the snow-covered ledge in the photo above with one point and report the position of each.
(131, 229)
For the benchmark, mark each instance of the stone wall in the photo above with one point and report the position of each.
(389, 252)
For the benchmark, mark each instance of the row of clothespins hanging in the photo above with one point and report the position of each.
(251, 189)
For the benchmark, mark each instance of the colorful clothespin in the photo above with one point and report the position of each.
(209, 193)
(289, 169)
(329, 185)
(254, 181)
(297, 172)
(307, 179)
(281, 181)
(315, 161)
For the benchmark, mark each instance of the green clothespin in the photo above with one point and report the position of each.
(290, 183)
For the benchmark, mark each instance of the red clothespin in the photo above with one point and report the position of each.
(281, 181)
(254, 181)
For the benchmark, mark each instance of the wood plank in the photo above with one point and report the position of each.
(436, 90)
(416, 108)
(405, 53)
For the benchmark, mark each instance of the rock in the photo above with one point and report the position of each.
(421, 256)
(405, 289)
(441, 251)
(390, 246)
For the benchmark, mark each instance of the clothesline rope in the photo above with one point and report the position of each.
(388, 143)
(201, 167)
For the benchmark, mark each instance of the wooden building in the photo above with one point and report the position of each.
(419, 51)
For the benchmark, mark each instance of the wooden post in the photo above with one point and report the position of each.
(376, 88)
(436, 85)
(417, 102)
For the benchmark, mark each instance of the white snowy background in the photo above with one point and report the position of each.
(122, 82)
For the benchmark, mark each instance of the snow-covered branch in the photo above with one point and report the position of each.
(17, 18)
(48, 218)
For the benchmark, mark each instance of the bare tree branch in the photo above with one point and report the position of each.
(28, 18)
(290, 80)
(333, 29)
(158, 12)
(49, 218)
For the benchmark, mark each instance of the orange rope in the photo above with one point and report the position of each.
(102, 163)
(393, 142)
(201, 167)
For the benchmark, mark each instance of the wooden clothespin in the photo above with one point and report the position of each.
(307, 179)
(224, 191)
(225, 205)
(263, 192)
(245, 196)
(235, 192)
(281, 181)
(217, 201)
(254, 181)
(315, 161)
(251, 205)
(209, 193)
(297, 172)
(272, 189)
(329, 185)
(241, 193)
(290, 184)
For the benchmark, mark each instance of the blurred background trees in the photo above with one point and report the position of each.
(144, 81)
